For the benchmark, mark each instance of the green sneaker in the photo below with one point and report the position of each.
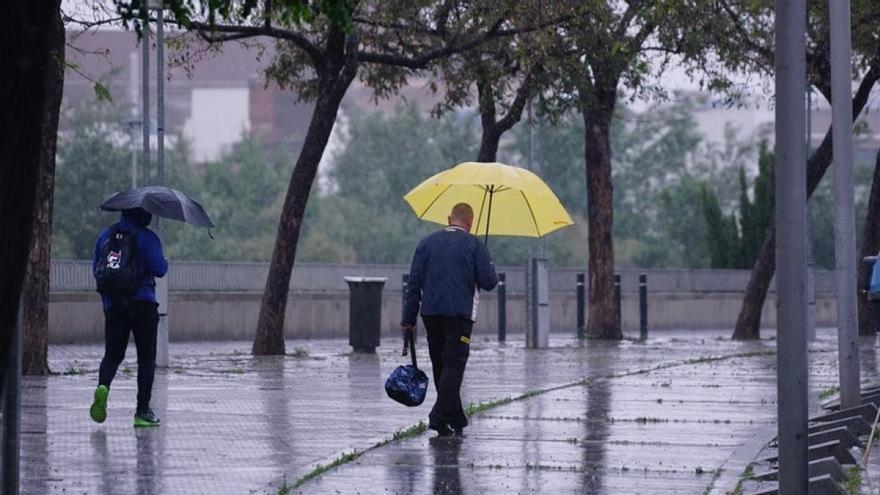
(146, 418)
(98, 411)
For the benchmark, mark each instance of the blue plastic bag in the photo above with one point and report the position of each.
(407, 384)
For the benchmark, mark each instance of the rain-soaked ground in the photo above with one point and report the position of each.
(684, 412)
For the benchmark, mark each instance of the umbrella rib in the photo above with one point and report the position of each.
(435, 200)
(535, 220)
(480, 218)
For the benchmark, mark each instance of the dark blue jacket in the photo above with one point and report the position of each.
(150, 249)
(447, 269)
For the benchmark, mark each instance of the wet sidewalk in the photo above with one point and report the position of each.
(680, 413)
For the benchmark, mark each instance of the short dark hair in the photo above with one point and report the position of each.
(138, 216)
(462, 211)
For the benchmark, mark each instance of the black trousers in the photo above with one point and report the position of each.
(875, 308)
(449, 340)
(142, 319)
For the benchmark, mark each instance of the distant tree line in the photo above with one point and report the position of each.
(682, 202)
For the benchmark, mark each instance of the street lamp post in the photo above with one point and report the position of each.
(791, 253)
(844, 209)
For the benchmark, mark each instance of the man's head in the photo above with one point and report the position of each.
(137, 216)
(462, 215)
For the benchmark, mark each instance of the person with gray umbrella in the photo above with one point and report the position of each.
(128, 258)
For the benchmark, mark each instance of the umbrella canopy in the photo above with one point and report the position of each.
(160, 201)
(518, 201)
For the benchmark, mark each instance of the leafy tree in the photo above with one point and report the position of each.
(721, 234)
(659, 159)
(243, 192)
(735, 242)
(684, 224)
(94, 161)
(606, 48)
(757, 216)
(743, 36)
(91, 166)
(384, 157)
(322, 46)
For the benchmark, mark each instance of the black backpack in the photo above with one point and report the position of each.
(119, 271)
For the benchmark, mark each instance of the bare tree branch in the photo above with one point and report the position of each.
(242, 32)
(523, 93)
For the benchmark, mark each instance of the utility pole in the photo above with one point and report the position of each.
(539, 163)
(162, 283)
(132, 120)
(791, 253)
(145, 91)
(844, 209)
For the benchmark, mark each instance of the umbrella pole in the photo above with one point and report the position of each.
(489, 214)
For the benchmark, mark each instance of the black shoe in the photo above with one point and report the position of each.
(442, 430)
(146, 418)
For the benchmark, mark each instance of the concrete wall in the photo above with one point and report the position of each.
(201, 315)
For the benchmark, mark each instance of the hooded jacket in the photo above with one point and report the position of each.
(448, 268)
(149, 247)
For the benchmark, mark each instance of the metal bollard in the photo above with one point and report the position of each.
(502, 307)
(581, 306)
(643, 306)
(617, 307)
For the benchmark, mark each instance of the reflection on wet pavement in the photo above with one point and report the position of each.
(233, 424)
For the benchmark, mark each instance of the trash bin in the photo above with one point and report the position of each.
(365, 312)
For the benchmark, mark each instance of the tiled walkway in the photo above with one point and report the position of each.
(650, 417)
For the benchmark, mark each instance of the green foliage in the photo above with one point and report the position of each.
(853, 483)
(242, 191)
(90, 166)
(659, 160)
(363, 218)
(666, 216)
(721, 234)
(291, 12)
(735, 242)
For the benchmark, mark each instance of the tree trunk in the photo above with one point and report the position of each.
(35, 327)
(748, 323)
(26, 28)
(491, 136)
(489, 145)
(269, 337)
(597, 113)
(870, 247)
(492, 127)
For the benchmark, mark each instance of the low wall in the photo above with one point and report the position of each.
(76, 316)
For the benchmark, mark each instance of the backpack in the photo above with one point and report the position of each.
(119, 271)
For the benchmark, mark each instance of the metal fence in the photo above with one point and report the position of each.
(76, 276)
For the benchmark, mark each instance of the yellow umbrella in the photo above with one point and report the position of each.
(518, 201)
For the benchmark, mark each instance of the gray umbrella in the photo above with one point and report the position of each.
(160, 201)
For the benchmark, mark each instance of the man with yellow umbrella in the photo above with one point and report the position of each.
(451, 266)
